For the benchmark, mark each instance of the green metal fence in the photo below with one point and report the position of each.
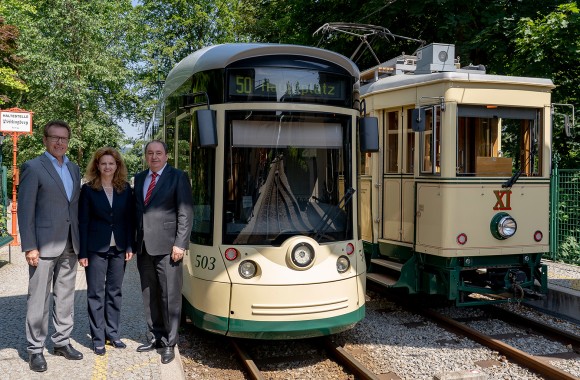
(565, 214)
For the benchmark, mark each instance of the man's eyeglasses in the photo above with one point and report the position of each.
(57, 139)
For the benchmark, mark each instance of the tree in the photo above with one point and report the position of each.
(168, 31)
(548, 46)
(75, 64)
(10, 83)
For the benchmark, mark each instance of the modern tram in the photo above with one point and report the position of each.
(268, 135)
(456, 202)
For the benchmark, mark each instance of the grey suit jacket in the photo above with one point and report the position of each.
(44, 211)
(167, 220)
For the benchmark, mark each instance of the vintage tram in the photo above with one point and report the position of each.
(268, 133)
(456, 203)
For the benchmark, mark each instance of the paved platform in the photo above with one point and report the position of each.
(563, 298)
(116, 364)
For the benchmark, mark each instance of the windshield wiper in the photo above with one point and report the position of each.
(323, 226)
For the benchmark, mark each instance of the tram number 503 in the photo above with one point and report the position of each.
(205, 262)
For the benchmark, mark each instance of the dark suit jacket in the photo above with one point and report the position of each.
(167, 220)
(97, 220)
(45, 215)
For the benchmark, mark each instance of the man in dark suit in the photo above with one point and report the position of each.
(48, 198)
(164, 217)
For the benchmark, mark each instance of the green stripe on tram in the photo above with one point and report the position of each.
(273, 330)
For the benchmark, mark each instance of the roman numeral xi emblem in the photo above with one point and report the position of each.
(501, 202)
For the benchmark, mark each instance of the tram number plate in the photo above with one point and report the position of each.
(205, 262)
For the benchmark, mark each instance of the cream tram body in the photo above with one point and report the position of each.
(275, 251)
(447, 214)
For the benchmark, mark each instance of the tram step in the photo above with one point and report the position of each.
(382, 279)
(388, 264)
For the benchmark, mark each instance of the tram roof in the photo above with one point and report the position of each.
(404, 80)
(221, 56)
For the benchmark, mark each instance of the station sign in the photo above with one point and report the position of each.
(15, 121)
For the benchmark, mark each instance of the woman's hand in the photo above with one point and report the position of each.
(128, 256)
(84, 263)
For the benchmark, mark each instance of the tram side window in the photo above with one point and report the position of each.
(497, 141)
(431, 141)
(392, 142)
(184, 144)
(202, 163)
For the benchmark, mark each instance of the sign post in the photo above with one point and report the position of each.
(15, 122)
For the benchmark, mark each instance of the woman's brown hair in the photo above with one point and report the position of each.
(93, 175)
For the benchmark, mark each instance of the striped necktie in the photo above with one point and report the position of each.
(150, 188)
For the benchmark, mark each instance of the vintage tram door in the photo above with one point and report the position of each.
(398, 176)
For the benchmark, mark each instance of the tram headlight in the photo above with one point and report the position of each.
(247, 269)
(503, 226)
(302, 255)
(342, 264)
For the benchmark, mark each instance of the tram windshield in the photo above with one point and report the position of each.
(285, 175)
(498, 141)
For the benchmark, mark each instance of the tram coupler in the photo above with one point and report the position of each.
(516, 277)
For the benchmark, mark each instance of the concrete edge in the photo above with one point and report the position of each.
(173, 370)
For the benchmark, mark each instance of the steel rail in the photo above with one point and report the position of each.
(518, 356)
(349, 361)
(247, 362)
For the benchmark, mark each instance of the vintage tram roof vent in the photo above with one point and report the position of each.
(435, 57)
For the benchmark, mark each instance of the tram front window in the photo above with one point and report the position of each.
(498, 141)
(286, 175)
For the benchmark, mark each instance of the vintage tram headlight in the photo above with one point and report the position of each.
(247, 269)
(342, 264)
(302, 255)
(503, 226)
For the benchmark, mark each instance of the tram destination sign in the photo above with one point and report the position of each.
(286, 85)
(15, 121)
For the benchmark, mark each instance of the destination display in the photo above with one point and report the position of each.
(287, 85)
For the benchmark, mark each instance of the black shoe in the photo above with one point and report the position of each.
(37, 362)
(68, 352)
(167, 354)
(118, 343)
(100, 351)
(148, 346)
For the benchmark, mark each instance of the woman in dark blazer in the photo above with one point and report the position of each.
(106, 233)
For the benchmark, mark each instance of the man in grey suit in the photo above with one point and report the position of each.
(48, 198)
(164, 217)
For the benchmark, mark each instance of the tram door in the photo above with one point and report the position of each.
(398, 176)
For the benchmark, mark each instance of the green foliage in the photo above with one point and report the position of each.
(75, 64)
(549, 46)
(10, 84)
(569, 251)
(169, 30)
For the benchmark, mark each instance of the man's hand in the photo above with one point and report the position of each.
(32, 257)
(177, 253)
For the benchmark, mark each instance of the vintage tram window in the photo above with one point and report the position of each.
(392, 142)
(201, 161)
(284, 172)
(496, 141)
(431, 141)
(409, 144)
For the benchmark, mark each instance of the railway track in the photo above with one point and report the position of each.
(353, 367)
(499, 342)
